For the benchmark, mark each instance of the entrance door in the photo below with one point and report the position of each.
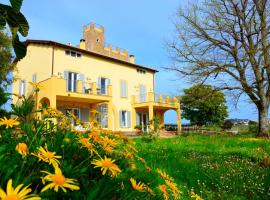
(143, 121)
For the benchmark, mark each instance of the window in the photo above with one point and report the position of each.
(123, 88)
(142, 94)
(73, 53)
(102, 115)
(72, 81)
(124, 119)
(141, 71)
(22, 88)
(103, 85)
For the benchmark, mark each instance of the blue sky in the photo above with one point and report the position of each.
(141, 26)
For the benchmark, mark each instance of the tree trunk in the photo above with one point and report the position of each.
(263, 121)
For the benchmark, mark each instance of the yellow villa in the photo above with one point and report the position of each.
(93, 76)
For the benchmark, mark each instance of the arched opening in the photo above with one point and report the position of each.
(170, 120)
(44, 102)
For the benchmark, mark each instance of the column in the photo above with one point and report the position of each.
(178, 111)
(133, 117)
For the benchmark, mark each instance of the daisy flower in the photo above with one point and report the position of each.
(107, 164)
(58, 180)
(17, 193)
(47, 156)
(9, 122)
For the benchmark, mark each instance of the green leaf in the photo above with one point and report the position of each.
(19, 47)
(16, 4)
(2, 16)
(17, 20)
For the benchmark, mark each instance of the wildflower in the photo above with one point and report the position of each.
(58, 180)
(22, 149)
(173, 187)
(17, 193)
(47, 156)
(164, 175)
(95, 136)
(9, 122)
(137, 186)
(37, 86)
(196, 196)
(85, 143)
(149, 190)
(163, 189)
(142, 160)
(107, 164)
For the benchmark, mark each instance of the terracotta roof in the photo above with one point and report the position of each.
(53, 43)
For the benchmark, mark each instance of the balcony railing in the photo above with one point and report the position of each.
(154, 97)
(60, 86)
(92, 89)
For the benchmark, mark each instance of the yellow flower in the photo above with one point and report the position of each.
(194, 195)
(95, 136)
(37, 86)
(86, 143)
(164, 175)
(58, 180)
(47, 156)
(22, 149)
(174, 188)
(137, 186)
(163, 189)
(17, 193)
(107, 164)
(9, 122)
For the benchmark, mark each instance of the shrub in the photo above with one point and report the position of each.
(227, 125)
(59, 162)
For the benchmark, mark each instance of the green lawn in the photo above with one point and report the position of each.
(216, 166)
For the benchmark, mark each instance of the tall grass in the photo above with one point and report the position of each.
(215, 166)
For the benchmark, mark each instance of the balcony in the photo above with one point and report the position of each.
(56, 89)
(157, 100)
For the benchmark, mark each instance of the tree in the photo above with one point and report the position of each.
(6, 67)
(227, 42)
(203, 105)
(16, 21)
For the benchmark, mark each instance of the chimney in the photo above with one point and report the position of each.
(132, 59)
(82, 44)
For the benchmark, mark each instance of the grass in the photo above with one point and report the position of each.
(215, 166)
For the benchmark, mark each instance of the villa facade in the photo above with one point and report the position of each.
(93, 76)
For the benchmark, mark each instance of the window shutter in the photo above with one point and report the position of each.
(122, 89)
(22, 88)
(82, 78)
(99, 85)
(66, 78)
(120, 119)
(128, 119)
(137, 118)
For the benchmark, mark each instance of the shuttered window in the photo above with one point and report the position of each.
(123, 91)
(124, 119)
